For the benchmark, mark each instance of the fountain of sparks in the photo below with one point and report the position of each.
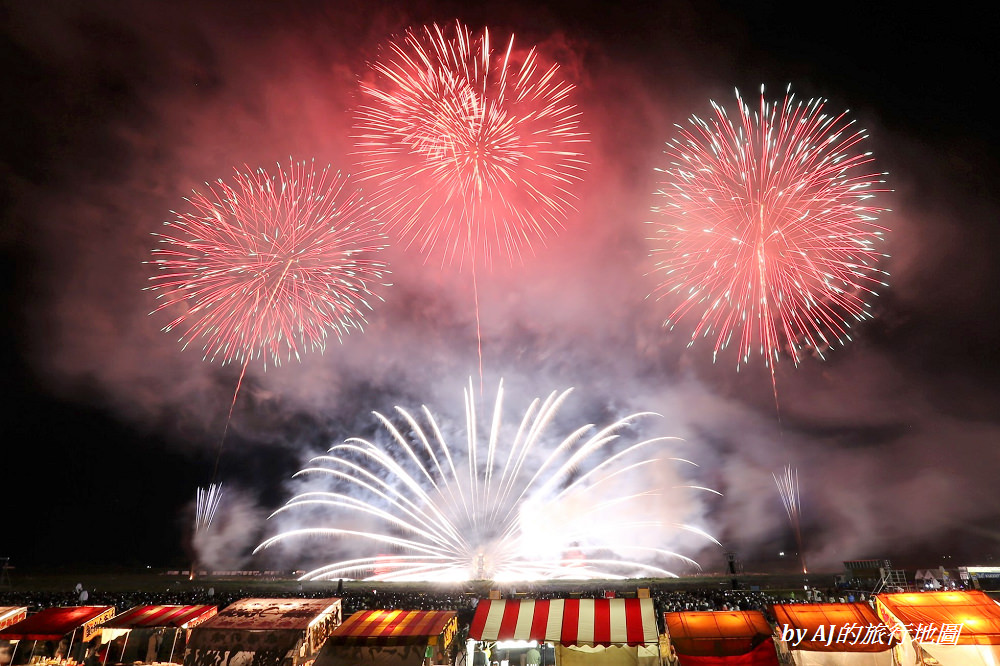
(207, 501)
(788, 488)
(512, 504)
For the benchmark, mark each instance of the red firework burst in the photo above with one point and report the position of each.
(472, 152)
(767, 231)
(268, 266)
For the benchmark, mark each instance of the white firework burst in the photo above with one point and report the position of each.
(512, 504)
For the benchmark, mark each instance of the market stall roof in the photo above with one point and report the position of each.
(822, 620)
(717, 633)
(52, 624)
(11, 615)
(256, 625)
(271, 614)
(183, 617)
(567, 621)
(390, 627)
(977, 613)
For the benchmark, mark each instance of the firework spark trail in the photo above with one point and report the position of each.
(267, 267)
(788, 488)
(451, 515)
(767, 230)
(206, 505)
(472, 152)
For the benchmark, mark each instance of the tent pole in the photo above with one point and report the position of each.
(69, 649)
(106, 652)
(121, 658)
(174, 644)
(14, 651)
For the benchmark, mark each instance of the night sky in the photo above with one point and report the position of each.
(116, 111)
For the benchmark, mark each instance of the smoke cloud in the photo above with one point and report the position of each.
(129, 108)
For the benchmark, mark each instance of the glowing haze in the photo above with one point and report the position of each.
(506, 504)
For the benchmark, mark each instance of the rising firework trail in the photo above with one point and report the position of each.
(767, 234)
(788, 488)
(267, 267)
(472, 151)
(510, 503)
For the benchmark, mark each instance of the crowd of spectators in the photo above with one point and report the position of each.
(666, 598)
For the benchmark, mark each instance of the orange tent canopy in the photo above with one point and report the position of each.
(391, 627)
(978, 614)
(827, 619)
(717, 633)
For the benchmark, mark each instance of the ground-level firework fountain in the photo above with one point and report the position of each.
(788, 488)
(206, 504)
(515, 502)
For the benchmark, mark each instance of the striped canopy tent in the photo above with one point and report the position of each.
(845, 634)
(595, 632)
(955, 627)
(51, 624)
(390, 638)
(153, 633)
(77, 624)
(12, 615)
(179, 617)
(264, 632)
(721, 638)
(9, 615)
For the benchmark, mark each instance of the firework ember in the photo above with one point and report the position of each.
(268, 266)
(512, 504)
(473, 151)
(767, 230)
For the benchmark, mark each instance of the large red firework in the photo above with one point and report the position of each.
(268, 266)
(767, 233)
(473, 153)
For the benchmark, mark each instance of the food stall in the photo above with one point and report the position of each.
(59, 634)
(9, 615)
(391, 638)
(581, 632)
(149, 634)
(953, 628)
(824, 634)
(720, 638)
(264, 632)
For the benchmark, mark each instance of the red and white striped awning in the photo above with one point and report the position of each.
(185, 617)
(567, 621)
